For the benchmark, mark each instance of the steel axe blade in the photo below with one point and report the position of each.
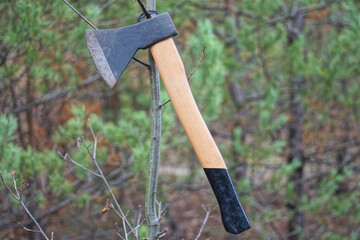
(111, 50)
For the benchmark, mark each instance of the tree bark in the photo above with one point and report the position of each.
(152, 218)
(296, 216)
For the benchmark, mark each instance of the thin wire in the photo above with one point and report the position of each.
(147, 14)
(78, 13)
(94, 27)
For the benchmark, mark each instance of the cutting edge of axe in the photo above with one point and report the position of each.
(112, 50)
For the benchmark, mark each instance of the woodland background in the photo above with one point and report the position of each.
(278, 86)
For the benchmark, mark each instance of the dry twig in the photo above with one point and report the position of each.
(198, 64)
(99, 173)
(190, 75)
(208, 211)
(18, 197)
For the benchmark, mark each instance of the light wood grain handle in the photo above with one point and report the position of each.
(174, 77)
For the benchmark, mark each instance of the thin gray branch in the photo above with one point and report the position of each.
(125, 231)
(153, 220)
(208, 211)
(121, 213)
(28, 229)
(18, 198)
(78, 13)
(100, 174)
(52, 96)
(67, 157)
(190, 75)
(7, 186)
(197, 65)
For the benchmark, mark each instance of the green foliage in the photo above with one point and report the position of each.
(244, 186)
(28, 163)
(132, 132)
(143, 231)
(74, 127)
(8, 127)
(246, 44)
(240, 147)
(82, 199)
(279, 177)
(208, 82)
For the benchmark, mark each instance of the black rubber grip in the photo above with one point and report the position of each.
(232, 214)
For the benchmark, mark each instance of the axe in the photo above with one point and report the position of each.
(112, 49)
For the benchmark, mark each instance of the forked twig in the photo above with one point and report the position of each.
(67, 157)
(99, 173)
(17, 197)
(28, 229)
(208, 211)
(102, 174)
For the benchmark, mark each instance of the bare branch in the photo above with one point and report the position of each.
(125, 231)
(117, 232)
(8, 188)
(154, 160)
(15, 187)
(67, 157)
(159, 208)
(28, 229)
(93, 156)
(18, 198)
(34, 220)
(78, 13)
(190, 75)
(163, 104)
(52, 96)
(198, 64)
(208, 211)
(105, 5)
(162, 233)
(138, 225)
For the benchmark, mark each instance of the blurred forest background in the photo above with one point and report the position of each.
(278, 86)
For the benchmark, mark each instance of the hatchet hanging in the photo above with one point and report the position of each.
(112, 50)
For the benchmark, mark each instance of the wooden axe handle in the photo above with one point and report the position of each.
(173, 74)
(175, 80)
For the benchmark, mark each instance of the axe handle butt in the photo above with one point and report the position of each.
(233, 215)
(175, 80)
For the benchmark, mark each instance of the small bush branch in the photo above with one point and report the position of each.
(99, 173)
(67, 157)
(18, 197)
(197, 65)
(208, 211)
(153, 220)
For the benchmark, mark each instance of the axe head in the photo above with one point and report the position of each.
(112, 49)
